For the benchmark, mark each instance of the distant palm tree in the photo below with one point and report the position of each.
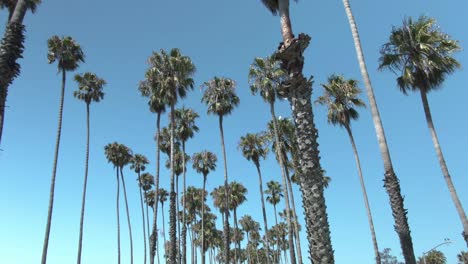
(138, 164)
(219, 201)
(203, 162)
(237, 196)
(249, 225)
(12, 47)
(185, 129)
(462, 257)
(146, 182)
(221, 99)
(89, 90)
(274, 194)
(162, 199)
(341, 97)
(423, 55)
(254, 148)
(68, 55)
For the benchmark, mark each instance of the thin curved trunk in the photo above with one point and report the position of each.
(118, 216)
(364, 194)
(172, 197)
(226, 195)
(128, 216)
(179, 256)
(392, 184)
(203, 221)
(83, 200)
(285, 190)
(54, 173)
(154, 237)
(265, 223)
(443, 166)
(237, 258)
(278, 251)
(147, 224)
(246, 248)
(143, 219)
(184, 224)
(164, 226)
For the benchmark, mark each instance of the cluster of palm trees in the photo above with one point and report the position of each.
(418, 52)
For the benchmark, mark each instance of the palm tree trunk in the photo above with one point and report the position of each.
(164, 226)
(184, 224)
(392, 184)
(203, 220)
(54, 172)
(285, 190)
(238, 258)
(443, 166)
(226, 195)
(11, 50)
(247, 249)
(143, 219)
(286, 28)
(179, 256)
(148, 227)
(278, 250)
(265, 224)
(118, 216)
(296, 228)
(364, 193)
(83, 200)
(128, 216)
(154, 240)
(172, 197)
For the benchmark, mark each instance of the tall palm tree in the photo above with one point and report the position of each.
(89, 90)
(219, 200)
(249, 225)
(173, 73)
(221, 99)
(151, 88)
(265, 77)
(254, 148)
(341, 97)
(391, 181)
(203, 162)
(185, 129)
(138, 164)
(162, 199)
(12, 47)
(298, 90)
(274, 194)
(237, 196)
(146, 182)
(422, 53)
(68, 55)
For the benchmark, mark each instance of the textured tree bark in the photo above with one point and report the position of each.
(154, 237)
(299, 91)
(391, 182)
(172, 211)
(54, 173)
(265, 223)
(128, 216)
(83, 199)
(443, 166)
(364, 194)
(227, 236)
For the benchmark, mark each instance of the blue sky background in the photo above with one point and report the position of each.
(222, 38)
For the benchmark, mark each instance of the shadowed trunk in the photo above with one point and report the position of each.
(391, 181)
(184, 224)
(265, 224)
(54, 173)
(172, 202)
(118, 216)
(128, 216)
(203, 220)
(154, 240)
(83, 200)
(178, 218)
(443, 166)
(364, 193)
(226, 195)
(163, 224)
(148, 234)
(143, 219)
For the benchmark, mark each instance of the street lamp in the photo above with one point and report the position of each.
(446, 241)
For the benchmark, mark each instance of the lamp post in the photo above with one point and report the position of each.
(446, 241)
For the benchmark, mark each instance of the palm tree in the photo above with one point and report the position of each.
(89, 90)
(462, 257)
(265, 77)
(423, 55)
(185, 129)
(249, 225)
(237, 196)
(68, 55)
(341, 97)
(151, 88)
(219, 200)
(254, 148)
(138, 164)
(391, 181)
(298, 90)
(221, 99)
(173, 73)
(162, 199)
(145, 182)
(274, 194)
(12, 47)
(203, 162)
(194, 200)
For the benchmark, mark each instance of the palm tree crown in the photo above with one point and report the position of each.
(204, 162)
(274, 192)
(254, 147)
(220, 96)
(118, 154)
(146, 181)
(89, 87)
(66, 52)
(265, 76)
(185, 126)
(138, 163)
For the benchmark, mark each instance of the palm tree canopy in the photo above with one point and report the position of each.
(178, 162)
(421, 53)
(89, 87)
(194, 198)
(172, 74)
(341, 97)
(248, 224)
(266, 76)
(237, 194)
(219, 198)
(138, 163)
(162, 193)
(11, 4)
(66, 51)
(274, 192)
(118, 154)
(204, 162)
(146, 181)
(285, 133)
(151, 88)
(149, 198)
(185, 126)
(273, 5)
(165, 141)
(254, 147)
(220, 96)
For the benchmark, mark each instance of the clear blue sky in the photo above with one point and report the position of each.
(222, 38)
